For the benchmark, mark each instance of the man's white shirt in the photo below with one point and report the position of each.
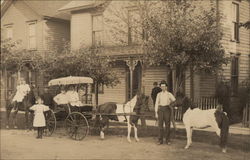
(163, 98)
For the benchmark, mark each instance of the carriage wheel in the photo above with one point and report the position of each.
(77, 125)
(50, 123)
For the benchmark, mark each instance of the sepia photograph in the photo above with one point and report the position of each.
(125, 79)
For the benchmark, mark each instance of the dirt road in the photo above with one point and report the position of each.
(20, 144)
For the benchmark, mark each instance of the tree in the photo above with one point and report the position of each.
(13, 58)
(55, 63)
(85, 61)
(246, 25)
(179, 34)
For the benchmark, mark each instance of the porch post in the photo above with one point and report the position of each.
(131, 63)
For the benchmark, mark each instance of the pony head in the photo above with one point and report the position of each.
(141, 103)
(184, 102)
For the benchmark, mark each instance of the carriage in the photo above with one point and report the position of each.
(76, 119)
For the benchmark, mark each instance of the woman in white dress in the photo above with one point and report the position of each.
(39, 118)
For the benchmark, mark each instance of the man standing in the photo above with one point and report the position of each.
(163, 111)
(155, 91)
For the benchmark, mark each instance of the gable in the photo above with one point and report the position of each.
(19, 12)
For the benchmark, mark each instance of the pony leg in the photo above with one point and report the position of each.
(188, 130)
(8, 111)
(129, 130)
(14, 118)
(191, 135)
(104, 121)
(216, 128)
(26, 119)
(135, 130)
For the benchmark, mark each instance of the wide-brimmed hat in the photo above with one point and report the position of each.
(163, 83)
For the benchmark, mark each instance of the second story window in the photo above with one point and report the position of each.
(32, 36)
(235, 22)
(134, 27)
(97, 30)
(9, 32)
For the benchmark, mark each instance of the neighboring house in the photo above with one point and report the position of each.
(39, 26)
(90, 27)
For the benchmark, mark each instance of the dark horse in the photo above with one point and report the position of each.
(131, 111)
(194, 117)
(27, 102)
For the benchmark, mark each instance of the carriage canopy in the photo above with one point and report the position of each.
(70, 80)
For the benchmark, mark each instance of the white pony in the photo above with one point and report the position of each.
(215, 118)
(128, 112)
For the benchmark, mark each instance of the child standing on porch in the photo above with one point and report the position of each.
(39, 119)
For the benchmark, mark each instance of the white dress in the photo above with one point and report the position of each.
(22, 91)
(61, 98)
(39, 119)
(74, 98)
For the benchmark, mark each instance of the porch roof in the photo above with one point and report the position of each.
(79, 5)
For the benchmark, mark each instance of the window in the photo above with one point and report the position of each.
(235, 22)
(134, 27)
(100, 88)
(234, 74)
(32, 35)
(97, 30)
(9, 32)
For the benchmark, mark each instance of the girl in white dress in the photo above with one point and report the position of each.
(39, 118)
(22, 90)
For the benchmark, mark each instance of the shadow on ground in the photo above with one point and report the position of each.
(237, 142)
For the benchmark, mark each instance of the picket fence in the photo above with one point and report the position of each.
(246, 116)
(203, 103)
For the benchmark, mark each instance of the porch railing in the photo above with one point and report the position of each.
(203, 103)
(246, 116)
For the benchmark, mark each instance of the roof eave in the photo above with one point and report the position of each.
(77, 8)
(4, 6)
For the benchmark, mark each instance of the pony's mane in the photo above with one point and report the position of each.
(132, 102)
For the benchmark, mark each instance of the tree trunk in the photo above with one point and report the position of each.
(96, 96)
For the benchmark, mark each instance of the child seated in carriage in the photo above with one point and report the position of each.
(22, 90)
(73, 97)
(62, 99)
(39, 119)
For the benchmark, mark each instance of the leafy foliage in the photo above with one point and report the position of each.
(180, 37)
(179, 34)
(14, 58)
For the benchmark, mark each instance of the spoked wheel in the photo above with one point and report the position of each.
(50, 123)
(77, 125)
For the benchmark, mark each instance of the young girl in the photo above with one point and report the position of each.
(39, 119)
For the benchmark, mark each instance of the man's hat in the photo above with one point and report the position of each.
(163, 83)
(155, 83)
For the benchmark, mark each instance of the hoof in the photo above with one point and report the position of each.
(129, 140)
(137, 140)
(7, 127)
(224, 150)
(15, 127)
(186, 147)
(102, 135)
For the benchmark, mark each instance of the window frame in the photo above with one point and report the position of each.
(131, 39)
(94, 31)
(100, 88)
(235, 72)
(235, 31)
(9, 28)
(30, 23)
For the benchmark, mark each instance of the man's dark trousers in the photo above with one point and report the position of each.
(164, 114)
